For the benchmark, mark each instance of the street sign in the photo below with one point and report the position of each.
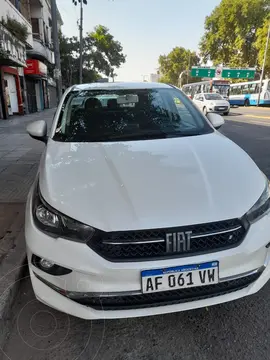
(203, 71)
(218, 72)
(56, 74)
(238, 73)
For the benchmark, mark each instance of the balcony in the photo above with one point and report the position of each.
(42, 48)
(12, 51)
(21, 14)
(40, 51)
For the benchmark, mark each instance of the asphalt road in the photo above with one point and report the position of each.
(236, 330)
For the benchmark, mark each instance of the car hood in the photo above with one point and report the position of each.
(150, 184)
(218, 102)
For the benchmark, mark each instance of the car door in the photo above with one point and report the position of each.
(197, 101)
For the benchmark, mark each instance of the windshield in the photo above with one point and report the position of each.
(222, 89)
(213, 97)
(122, 115)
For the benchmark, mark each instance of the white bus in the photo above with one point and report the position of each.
(214, 85)
(246, 93)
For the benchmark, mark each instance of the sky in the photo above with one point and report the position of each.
(145, 28)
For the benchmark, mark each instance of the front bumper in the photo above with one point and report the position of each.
(216, 109)
(94, 275)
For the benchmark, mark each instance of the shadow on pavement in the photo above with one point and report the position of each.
(235, 114)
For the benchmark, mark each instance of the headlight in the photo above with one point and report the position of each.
(212, 104)
(261, 207)
(56, 224)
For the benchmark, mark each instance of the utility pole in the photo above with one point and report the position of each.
(264, 63)
(181, 76)
(57, 70)
(81, 42)
(75, 2)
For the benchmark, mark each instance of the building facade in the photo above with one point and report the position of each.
(26, 54)
(40, 57)
(15, 37)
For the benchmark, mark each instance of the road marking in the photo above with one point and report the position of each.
(262, 108)
(258, 116)
(251, 122)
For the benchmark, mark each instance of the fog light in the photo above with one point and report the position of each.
(49, 267)
(46, 264)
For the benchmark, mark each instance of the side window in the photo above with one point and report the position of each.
(238, 90)
(245, 89)
(252, 88)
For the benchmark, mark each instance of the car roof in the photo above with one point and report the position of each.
(120, 85)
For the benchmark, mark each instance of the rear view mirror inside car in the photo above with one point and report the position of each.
(127, 99)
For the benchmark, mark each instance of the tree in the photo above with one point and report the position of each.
(102, 51)
(231, 31)
(178, 60)
(102, 55)
(260, 46)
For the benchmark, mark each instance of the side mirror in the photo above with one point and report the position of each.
(38, 130)
(216, 120)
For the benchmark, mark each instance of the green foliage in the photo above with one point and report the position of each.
(231, 32)
(16, 28)
(260, 46)
(102, 51)
(102, 54)
(178, 60)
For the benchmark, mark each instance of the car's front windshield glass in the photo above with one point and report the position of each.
(213, 97)
(128, 114)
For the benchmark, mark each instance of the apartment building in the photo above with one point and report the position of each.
(26, 52)
(41, 93)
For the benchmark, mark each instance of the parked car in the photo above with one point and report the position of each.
(144, 209)
(212, 102)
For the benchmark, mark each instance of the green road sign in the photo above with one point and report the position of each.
(238, 73)
(212, 72)
(203, 71)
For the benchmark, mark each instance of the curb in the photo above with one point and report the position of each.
(12, 269)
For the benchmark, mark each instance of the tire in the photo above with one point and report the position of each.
(246, 103)
(226, 113)
(205, 111)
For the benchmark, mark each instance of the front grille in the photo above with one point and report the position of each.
(145, 245)
(221, 108)
(168, 297)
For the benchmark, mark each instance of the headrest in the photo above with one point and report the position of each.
(92, 103)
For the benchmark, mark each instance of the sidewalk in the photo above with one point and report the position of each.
(19, 158)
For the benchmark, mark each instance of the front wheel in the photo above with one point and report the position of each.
(226, 113)
(205, 111)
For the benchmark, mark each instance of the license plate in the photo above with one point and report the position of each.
(222, 108)
(180, 277)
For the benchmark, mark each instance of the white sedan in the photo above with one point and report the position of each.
(141, 207)
(212, 102)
